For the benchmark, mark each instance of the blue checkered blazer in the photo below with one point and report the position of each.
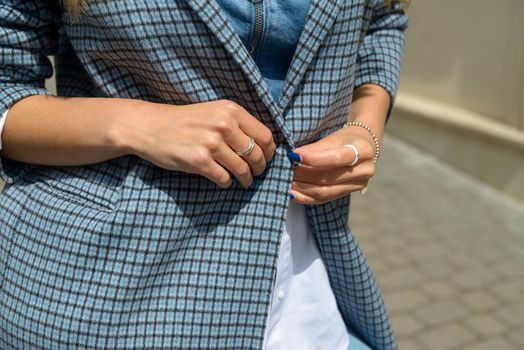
(125, 254)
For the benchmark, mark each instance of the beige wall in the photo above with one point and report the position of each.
(468, 53)
(462, 87)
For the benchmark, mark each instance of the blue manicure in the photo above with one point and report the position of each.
(291, 196)
(294, 156)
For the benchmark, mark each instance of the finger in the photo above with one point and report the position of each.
(322, 194)
(334, 156)
(305, 199)
(237, 140)
(331, 176)
(231, 161)
(216, 173)
(250, 125)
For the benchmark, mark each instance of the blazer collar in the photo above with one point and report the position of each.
(320, 19)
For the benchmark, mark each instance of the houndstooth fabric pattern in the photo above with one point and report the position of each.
(124, 254)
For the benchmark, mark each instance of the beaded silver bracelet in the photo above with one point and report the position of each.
(375, 139)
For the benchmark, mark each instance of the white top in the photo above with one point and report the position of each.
(303, 314)
(2, 121)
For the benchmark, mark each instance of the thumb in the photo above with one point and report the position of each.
(333, 156)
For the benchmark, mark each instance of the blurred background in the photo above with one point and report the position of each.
(443, 221)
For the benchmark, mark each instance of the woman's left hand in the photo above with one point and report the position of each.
(325, 174)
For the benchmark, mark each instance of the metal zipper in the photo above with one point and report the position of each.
(258, 26)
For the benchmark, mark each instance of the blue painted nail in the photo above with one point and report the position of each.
(294, 156)
(252, 186)
(291, 196)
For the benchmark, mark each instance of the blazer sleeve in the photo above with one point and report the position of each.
(28, 34)
(382, 47)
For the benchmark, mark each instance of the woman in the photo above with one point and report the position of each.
(150, 208)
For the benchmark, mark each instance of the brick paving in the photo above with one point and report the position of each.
(448, 252)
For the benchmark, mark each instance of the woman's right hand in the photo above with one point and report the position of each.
(200, 138)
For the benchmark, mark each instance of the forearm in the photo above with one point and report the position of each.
(51, 130)
(370, 106)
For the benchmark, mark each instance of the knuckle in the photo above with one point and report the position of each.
(368, 149)
(201, 158)
(322, 181)
(224, 181)
(259, 158)
(243, 170)
(213, 142)
(266, 138)
(260, 171)
(321, 192)
(338, 158)
(229, 106)
(225, 123)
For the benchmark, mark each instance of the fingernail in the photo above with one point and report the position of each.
(252, 186)
(294, 156)
(291, 196)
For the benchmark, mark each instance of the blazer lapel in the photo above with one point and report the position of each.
(320, 18)
(212, 15)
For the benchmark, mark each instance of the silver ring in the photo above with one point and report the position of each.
(356, 154)
(250, 147)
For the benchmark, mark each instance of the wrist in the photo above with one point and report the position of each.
(126, 128)
(374, 121)
(358, 127)
(360, 131)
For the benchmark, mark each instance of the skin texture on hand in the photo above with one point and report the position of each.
(200, 138)
(324, 173)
